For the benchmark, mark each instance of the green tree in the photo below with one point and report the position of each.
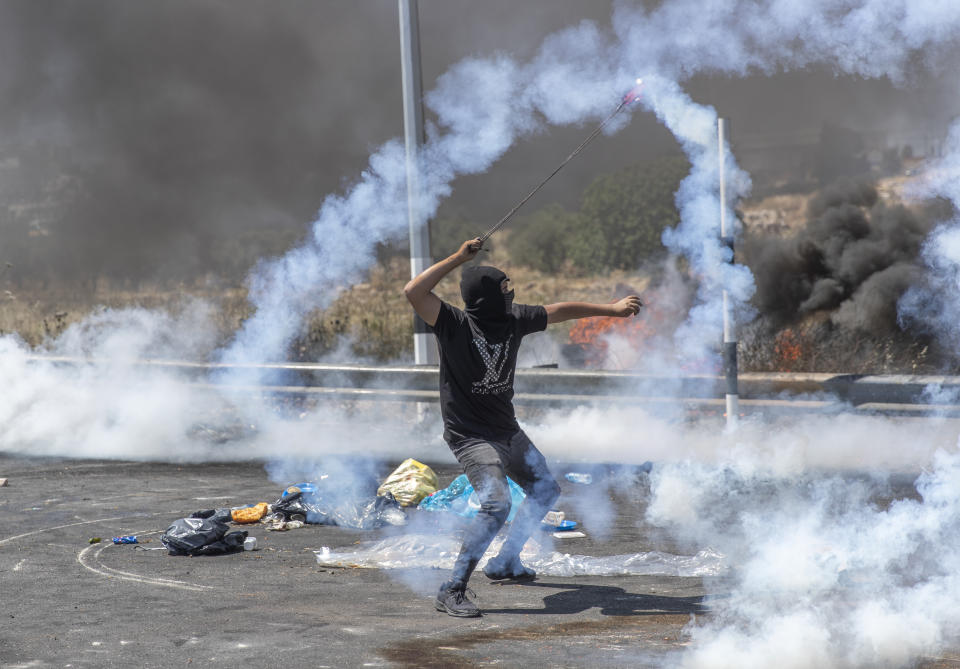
(540, 239)
(624, 215)
(621, 219)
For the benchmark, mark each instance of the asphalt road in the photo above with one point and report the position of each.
(69, 603)
(65, 602)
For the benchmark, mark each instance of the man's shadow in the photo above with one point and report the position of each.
(610, 600)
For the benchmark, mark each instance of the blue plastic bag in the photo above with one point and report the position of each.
(460, 498)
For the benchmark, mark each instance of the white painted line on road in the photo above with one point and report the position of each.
(86, 522)
(88, 557)
(57, 527)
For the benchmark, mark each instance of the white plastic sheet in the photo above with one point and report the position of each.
(439, 552)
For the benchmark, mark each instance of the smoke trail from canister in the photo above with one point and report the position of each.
(482, 107)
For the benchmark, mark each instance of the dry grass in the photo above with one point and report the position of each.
(36, 315)
(372, 318)
(377, 320)
(373, 321)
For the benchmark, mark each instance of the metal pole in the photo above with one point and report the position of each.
(424, 348)
(729, 325)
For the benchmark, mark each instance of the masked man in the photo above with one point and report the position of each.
(478, 355)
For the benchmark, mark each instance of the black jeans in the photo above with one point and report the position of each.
(487, 463)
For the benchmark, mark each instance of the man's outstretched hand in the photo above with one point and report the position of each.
(469, 250)
(628, 306)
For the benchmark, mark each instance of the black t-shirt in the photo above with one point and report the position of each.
(476, 376)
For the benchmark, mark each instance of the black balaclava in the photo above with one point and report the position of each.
(487, 306)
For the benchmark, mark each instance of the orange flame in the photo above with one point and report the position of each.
(789, 349)
(592, 334)
(648, 333)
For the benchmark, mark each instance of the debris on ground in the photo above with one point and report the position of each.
(249, 514)
(203, 533)
(3, 482)
(280, 525)
(440, 552)
(410, 482)
(323, 504)
(555, 521)
(460, 498)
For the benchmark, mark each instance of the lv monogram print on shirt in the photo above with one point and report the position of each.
(494, 357)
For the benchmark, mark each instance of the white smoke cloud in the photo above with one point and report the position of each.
(821, 565)
(90, 395)
(785, 446)
(108, 407)
(826, 575)
(934, 303)
(832, 564)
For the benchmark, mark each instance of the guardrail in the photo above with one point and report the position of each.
(901, 394)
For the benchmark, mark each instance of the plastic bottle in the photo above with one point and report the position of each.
(250, 544)
(579, 477)
(129, 539)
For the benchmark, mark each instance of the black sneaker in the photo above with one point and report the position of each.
(502, 570)
(452, 600)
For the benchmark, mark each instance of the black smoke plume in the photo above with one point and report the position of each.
(854, 258)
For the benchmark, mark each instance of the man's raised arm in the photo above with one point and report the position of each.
(419, 290)
(565, 311)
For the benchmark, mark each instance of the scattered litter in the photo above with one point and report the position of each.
(326, 505)
(410, 482)
(460, 498)
(578, 477)
(3, 482)
(95, 540)
(129, 539)
(555, 521)
(220, 515)
(249, 514)
(440, 552)
(250, 544)
(204, 533)
(305, 488)
(567, 534)
(554, 518)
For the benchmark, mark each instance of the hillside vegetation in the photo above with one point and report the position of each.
(605, 248)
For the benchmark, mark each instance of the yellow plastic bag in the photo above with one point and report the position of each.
(250, 514)
(410, 482)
